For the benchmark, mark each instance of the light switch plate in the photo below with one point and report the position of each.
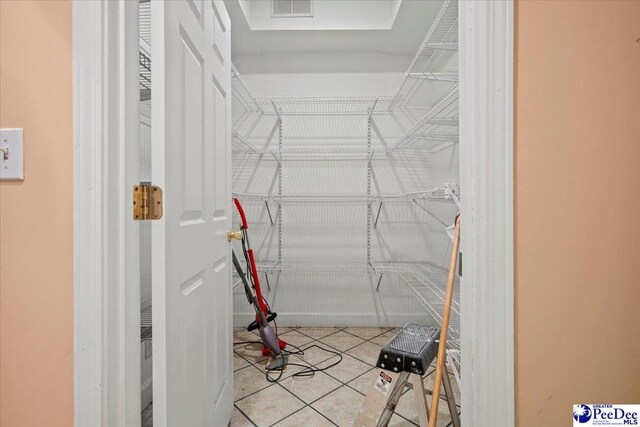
(11, 154)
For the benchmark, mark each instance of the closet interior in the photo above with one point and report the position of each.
(351, 200)
(351, 203)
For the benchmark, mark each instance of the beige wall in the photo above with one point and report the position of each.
(577, 207)
(36, 300)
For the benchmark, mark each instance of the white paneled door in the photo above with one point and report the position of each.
(191, 156)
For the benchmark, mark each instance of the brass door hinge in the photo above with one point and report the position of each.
(147, 202)
(234, 235)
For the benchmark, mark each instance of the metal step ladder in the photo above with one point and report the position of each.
(402, 364)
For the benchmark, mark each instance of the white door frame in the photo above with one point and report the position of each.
(106, 251)
(486, 169)
(106, 311)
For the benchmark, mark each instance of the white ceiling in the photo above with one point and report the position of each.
(331, 51)
(325, 14)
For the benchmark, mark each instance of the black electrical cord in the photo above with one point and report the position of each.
(266, 303)
(308, 370)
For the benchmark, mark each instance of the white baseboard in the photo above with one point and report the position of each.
(337, 320)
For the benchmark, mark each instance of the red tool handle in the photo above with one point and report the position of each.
(256, 282)
(256, 279)
(252, 261)
(244, 224)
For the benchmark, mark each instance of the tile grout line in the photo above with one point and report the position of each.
(257, 391)
(317, 341)
(243, 358)
(305, 404)
(342, 384)
(330, 346)
(245, 415)
(347, 384)
(337, 349)
(276, 382)
(403, 393)
(311, 365)
(369, 339)
(342, 352)
(323, 415)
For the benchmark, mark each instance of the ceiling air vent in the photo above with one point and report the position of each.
(291, 8)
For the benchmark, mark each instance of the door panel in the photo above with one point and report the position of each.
(192, 365)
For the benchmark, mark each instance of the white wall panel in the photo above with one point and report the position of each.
(332, 235)
(323, 84)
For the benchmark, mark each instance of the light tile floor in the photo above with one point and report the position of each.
(329, 398)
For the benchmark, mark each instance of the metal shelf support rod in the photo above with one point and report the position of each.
(379, 281)
(443, 77)
(432, 215)
(369, 188)
(377, 215)
(279, 190)
(266, 203)
(443, 45)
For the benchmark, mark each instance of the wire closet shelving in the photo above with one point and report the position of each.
(424, 118)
